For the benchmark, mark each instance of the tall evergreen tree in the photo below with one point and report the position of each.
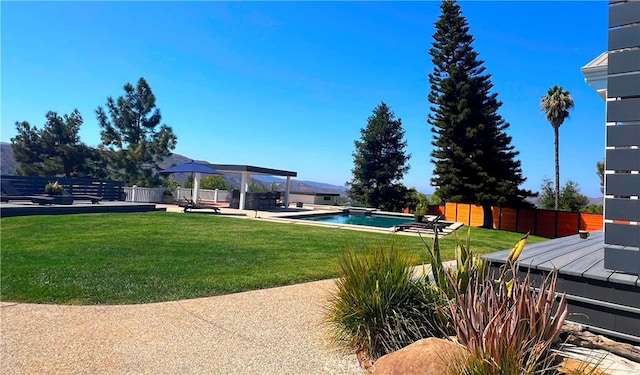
(133, 137)
(380, 162)
(473, 156)
(27, 149)
(55, 149)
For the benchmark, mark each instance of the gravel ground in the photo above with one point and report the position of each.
(270, 331)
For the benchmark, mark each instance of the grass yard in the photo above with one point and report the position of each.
(152, 257)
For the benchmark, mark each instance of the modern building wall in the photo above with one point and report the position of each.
(622, 160)
(313, 198)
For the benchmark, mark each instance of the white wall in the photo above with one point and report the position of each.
(312, 199)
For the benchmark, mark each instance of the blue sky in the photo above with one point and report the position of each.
(289, 85)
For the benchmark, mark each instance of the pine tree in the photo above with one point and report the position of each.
(571, 198)
(380, 162)
(133, 137)
(27, 149)
(473, 156)
(55, 149)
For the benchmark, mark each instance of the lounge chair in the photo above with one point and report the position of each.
(429, 225)
(39, 199)
(85, 197)
(188, 205)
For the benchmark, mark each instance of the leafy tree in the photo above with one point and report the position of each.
(435, 200)
(214, 181)
(600, 171)
(593, 209)
(210, 182)
(556, 105)
(571, 199)
(170, 185)
(56, 149)
(380, 162)
(473, 156)
(133, 136)
(547, 194)
(259, 187)
(412, 198)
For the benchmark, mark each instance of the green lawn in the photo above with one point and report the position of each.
(151, 257)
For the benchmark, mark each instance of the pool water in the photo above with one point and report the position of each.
(377, 221)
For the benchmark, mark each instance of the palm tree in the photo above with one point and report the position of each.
(556, 105)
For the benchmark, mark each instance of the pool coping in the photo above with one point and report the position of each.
(291, 218)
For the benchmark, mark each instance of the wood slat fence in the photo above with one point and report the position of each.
(28, 185)
(543, 223)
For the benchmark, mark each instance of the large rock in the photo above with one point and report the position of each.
(426, 356)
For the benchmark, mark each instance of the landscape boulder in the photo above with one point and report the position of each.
(426, 356)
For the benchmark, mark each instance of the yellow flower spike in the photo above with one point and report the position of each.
(509, 287)
(514, 254)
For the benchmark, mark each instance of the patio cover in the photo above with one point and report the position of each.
(247, 170)
(192, 167)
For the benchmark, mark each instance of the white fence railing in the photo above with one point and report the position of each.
(204, 194)
(140, 194)
(155, 195)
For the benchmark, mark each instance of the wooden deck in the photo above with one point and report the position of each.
(607, 302)
(12, 209)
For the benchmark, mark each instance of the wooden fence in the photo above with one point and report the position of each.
(29, 185)
(543, 223)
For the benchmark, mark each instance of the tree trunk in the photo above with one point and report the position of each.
(487, 221)
(557, 141)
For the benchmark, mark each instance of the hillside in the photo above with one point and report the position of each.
(9, 165)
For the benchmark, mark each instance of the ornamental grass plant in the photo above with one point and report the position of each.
(379, 306)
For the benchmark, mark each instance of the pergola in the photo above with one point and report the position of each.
(247, 170)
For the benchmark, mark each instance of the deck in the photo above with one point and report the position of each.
(12, 209)
(605, 301)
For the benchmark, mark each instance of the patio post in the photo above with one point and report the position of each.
(243, 189)
(286, 192)
(196, 186)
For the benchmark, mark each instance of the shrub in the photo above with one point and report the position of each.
(422, 205)
(53, 188)
(170, 185)
(379, 306)
(469, 266)
(593, 209)
(508, 327)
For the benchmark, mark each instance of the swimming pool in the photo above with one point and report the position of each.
(372, 220)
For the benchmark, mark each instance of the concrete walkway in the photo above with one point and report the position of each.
(269, 331)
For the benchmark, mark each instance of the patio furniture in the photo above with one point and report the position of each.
(420, 226)
(188, 205)
(86, 197)
(10, 193)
